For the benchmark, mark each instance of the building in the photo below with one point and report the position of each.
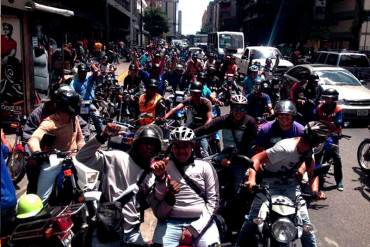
(179, 23)
(221, 15)
(169, 8)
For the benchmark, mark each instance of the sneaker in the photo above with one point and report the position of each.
(340, 186)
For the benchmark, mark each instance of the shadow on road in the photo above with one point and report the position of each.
(364, 180)
(316, 206)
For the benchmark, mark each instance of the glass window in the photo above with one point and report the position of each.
(265, 53)
(231, 41)
(296, 72)
(332, 59)
(353, 60)
(335, 77)
(322, 58)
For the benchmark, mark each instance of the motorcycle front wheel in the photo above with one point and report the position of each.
(363, 155)
(17, 166)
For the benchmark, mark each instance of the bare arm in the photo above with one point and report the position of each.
(173, 110)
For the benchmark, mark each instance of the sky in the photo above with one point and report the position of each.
(192, 12)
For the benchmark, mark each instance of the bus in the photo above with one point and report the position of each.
(200, 39)
(231, 42)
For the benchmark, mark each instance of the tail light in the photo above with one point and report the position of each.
(68, 172)
(63, 224)
(14, 125)
(19, 148)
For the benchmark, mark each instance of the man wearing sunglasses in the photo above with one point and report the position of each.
(281, 128)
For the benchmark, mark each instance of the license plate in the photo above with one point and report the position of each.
(362, 112)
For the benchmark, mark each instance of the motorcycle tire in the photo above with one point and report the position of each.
(362, 149)
(17, 166)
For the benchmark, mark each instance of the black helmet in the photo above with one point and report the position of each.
(152, 132)
(202, 75)
(67, 100)
(313, 77)
(238, 100)
(132, 67)
(330, 93)
(153, 83)
(194, 56)
(82, 68)
(316, 132)
(196, 87)
(285, 106)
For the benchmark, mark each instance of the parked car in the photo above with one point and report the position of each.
(355, 62)
(354, 98)
(260, 53)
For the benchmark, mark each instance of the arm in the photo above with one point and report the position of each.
(249, 138)
(314, 180)
(79, 138)
(84, 128)
(209, 112)
(215, 125)
(45, 127)
(90, 155)
(173, 110)
(258, 160)
(212, 201)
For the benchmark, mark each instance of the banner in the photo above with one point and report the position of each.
(12, 86)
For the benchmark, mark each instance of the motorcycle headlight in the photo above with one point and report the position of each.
(283, 230)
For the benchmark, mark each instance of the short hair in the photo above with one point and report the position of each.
(10, 26)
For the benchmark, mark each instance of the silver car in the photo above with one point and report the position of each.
(354, 98)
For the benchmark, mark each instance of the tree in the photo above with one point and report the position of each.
(155, 22)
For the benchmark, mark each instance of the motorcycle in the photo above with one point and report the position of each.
(278, 222)
(173, 100)
(53, 226)
(17, 159)
(227, 89)
(363, 155)
(323, 159)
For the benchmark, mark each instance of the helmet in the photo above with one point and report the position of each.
(285, 106)
(179, 67)
(182, 134)
(202, 75)
(196, 87)
(238, 100)
(132, 67)
(253, 68)
(330, 93)
(82, 68)
(153, 83)
(67, 100)
(28, 206)
(316, 132)
(157, 55)
(149, 132)
(313, 77)
(194, 56)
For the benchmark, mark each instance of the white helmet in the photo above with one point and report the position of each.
(182, 134)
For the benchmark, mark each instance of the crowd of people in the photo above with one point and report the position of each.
(180, 187)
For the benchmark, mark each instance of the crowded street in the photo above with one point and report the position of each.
(185, 123)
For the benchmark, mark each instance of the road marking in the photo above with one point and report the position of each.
(331, 242)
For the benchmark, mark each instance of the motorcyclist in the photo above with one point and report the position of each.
(199, 111)
(210, 61)
(330, 113)
(238, 130)
(175, 78)
(281, 128)
(120, 170)
(135, 79)
(190, 220)
(65, 128)
(193, 67)
(306, 94)
(155, 73)
(250, 79)
(229, 66)
(283, 160)
(84, 86)
(151, 104)
(259, 103)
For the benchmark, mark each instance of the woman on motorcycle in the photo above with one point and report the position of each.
(65, 127)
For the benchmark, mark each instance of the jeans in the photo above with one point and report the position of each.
(46, 180)
(248, 230)
(334, 152)
(168, 233)
(95, 117)
(134, 237)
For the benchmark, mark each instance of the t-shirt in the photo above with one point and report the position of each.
(270, 133)
(257, 105)
(7, 45)
(283, 158)
(84, 88)
(197, 114)
(8, 196)
(248, 84)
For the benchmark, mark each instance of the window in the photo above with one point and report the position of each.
(332, 59)
(297, 72)
(335, 77)
(353, 60)
(322, 58)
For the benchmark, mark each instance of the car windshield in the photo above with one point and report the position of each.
(337, 77)
(265, 53)
(354, 60)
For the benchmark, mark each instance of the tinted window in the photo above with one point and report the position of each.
(322, 58)
(332, 59)
(354, 60)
